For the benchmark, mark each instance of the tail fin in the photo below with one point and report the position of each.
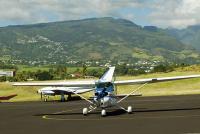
(107, 77)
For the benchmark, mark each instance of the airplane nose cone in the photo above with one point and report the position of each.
(105, 101)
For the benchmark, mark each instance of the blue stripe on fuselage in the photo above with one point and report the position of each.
(103, 89)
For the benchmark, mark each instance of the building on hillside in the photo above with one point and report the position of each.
(76, 75)
(7, 73)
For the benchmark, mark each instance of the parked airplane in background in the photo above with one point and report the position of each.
(52, 91)
(7, 97)
(104, 90)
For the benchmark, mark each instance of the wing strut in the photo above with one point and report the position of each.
(132, 93)
(82, 97)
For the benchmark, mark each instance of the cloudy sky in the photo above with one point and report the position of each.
(161, 13)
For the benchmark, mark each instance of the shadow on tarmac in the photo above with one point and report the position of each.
(117, 112)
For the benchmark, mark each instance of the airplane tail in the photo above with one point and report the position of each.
(107, 77)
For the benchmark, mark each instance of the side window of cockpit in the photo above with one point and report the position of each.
(108, 84)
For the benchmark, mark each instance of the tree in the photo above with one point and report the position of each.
(44, 75)
(11, 79)
(20, 77)
(84, 70)
(163, 68)
(122, 69)
(2, 78)
(61, 71)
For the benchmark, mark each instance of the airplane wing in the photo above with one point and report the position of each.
(154, 80)
(58, 84)
(63, 90)
(123, 95)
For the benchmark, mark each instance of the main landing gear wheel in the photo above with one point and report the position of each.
(45, 99)
(103, 112)
(85, 111)
(129, 110)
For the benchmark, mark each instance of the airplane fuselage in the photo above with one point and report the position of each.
(104, 95)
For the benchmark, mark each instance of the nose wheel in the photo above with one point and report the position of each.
(103, 112)
(129, 109)
(85, 111)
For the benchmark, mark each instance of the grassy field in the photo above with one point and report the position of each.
(179, 87)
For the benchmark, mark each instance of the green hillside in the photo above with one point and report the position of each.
(189, 35)
(91, 39)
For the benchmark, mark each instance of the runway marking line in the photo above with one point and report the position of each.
(47, 117)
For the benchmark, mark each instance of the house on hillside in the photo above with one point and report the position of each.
(76, 75)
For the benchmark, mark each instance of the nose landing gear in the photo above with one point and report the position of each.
(103, 112)
(129, 109)
(85, 111)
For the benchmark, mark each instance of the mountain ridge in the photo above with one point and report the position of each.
(189, 35)
(92, 39)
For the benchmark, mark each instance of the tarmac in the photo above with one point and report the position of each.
(152, 115)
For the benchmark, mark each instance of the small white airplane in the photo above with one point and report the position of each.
(52, 91)
(104, 90)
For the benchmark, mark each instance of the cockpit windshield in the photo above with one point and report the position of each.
(104, 85)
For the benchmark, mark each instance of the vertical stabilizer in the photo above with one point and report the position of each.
(107, 77)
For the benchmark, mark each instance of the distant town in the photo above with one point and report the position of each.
(18, 70)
